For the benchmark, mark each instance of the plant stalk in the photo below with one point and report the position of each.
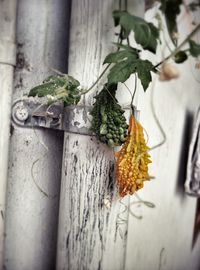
(196, 29)
(97, 80)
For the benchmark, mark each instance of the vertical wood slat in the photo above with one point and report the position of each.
(90, 236)
(88, 233)
(31, 217)
(7, 61)
(162, 239)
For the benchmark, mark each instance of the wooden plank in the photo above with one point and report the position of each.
(91, 236)
(7, 60)
(31, 219)
(162, 239)
(88, 231)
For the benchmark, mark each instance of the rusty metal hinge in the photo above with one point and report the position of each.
(30, 112)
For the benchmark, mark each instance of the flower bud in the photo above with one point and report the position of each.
(168, 72)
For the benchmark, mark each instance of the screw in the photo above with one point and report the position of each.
(21, 113)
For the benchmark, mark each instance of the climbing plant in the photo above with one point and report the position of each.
(108, 122)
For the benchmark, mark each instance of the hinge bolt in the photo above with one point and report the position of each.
(20, 112)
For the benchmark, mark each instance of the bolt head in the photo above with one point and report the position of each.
(21, 113)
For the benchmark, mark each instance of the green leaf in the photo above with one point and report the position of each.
(121, 72)
(119, 56)
(194, 48)
(146, 34)
(43, 90)
(143, 70)
(152, 43)
(171, 9)
(64, 88)
(126, 47)
(117, 15)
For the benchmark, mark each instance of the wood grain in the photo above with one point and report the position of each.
(31, 217)
(7, 61)
(91, 236)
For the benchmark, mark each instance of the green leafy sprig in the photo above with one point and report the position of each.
(108, 120)
(58, 88)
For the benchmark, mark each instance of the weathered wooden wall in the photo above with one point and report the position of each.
(162, 239)
(7, 62)
(92, 236)
(31, 219)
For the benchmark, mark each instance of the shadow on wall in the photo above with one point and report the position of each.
(182, 169)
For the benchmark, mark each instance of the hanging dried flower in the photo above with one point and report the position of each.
(132, 160)
(168, 72)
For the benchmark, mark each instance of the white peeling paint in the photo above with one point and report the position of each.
(7, 62)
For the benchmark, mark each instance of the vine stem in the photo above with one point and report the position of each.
(132, 107)
(97, 80)
(104, 71)
(160, 63)
(196, 29)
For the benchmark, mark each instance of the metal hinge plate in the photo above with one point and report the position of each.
(32, 113)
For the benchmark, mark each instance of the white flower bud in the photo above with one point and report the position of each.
(168, 72)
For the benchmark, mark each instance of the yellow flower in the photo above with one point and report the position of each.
(132, 160)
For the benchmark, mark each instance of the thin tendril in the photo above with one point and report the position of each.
(121, 220)
(101, 75)
(147, 139)
(97, 80)
(132, 107)
(110, 94)
(32, 175)
(146, 203)
(128, 89)
(156, 120)
(104, 71)
(33, 165)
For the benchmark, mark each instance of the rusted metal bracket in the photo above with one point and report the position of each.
(33, 113)
(192, 184)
